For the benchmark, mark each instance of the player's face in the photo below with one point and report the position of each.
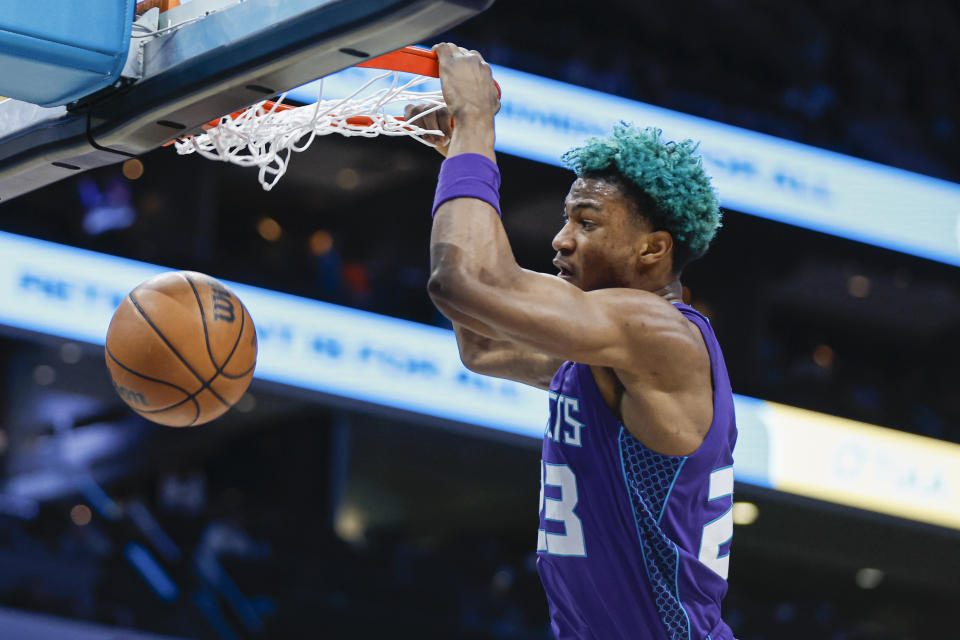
(596, 245)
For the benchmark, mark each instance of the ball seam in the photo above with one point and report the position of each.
(205, 383)
(203, 318)
(189, 396)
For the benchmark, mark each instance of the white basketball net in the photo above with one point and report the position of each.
(265, 136)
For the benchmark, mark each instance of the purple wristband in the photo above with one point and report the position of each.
(468, 175)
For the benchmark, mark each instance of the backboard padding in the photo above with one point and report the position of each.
(217, 65)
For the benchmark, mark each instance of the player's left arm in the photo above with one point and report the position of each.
(475, 278)
(626, 329)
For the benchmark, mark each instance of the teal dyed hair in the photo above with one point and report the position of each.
(668, 175)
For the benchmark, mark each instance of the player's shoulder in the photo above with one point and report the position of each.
(649, 316)
(668, 344)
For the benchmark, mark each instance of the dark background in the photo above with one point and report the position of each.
(337, 522)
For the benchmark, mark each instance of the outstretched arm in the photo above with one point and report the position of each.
(482, 349)
(476, 281)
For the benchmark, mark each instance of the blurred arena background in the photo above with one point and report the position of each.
(308, 512)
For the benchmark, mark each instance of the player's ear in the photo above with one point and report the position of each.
(656, 247)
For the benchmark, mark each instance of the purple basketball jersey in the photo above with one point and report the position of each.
(633, 544)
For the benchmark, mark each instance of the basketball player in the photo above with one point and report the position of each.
(636, 474)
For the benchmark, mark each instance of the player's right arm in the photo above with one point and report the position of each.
(479, 352)
(502, 358)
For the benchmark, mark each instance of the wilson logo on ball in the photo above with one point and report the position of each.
(222, 305)
(130, 396)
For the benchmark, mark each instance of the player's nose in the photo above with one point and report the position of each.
(564, 242)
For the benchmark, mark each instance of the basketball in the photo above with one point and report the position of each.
(181, 349)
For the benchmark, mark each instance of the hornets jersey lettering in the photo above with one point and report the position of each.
(633, 544)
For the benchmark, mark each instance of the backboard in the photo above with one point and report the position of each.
(203, 59)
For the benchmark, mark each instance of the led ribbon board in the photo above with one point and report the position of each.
(754, 173)
(847, 462)
(72, 293)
